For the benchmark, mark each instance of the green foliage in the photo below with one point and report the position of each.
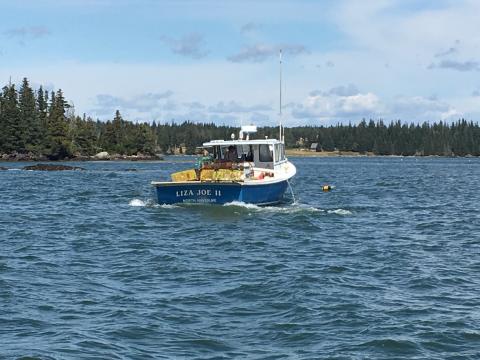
(57, 143)
(46, 125)
(28, 118)
(460, 138)
(11, 138)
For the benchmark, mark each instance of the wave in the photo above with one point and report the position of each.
(244, 205)
(166, 206)
(286, 209)
(340, 212)
(292, 208)
(150, 203)
(137, 203)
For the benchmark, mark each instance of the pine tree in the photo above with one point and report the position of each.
(46, 124)
(118, 132)
(11, 134)
(42, 118)
(29, 121)
(58, 146)
(85, 136)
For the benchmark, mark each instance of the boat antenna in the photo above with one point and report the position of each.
(280, 103)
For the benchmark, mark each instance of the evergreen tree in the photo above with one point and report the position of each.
(43, 124)
(11, 132)
(57, 145)
(29, 125)
(42, 117)
(85, 137)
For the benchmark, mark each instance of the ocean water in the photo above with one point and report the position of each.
(385, 266)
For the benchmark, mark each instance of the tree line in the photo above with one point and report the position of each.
(458, 138)
(44, 123)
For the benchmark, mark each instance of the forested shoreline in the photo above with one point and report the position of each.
(38, 124)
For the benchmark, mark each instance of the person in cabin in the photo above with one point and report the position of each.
(249, 156)
(231, 154)
(206, 158)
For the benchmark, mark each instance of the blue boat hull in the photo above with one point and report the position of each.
(220, 193)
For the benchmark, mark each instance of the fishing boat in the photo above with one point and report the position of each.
(253, 171)
(257, 173)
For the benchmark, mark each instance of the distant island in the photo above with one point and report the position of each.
(41, 125)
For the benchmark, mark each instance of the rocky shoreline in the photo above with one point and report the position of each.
(51, 167)
(337, 153)
(102, 156)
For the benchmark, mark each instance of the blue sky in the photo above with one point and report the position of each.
(217, 60)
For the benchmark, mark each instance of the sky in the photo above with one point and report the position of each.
(217, 61)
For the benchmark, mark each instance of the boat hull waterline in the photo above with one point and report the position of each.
(220, 193)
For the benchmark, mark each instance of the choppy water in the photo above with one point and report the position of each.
(386, 266)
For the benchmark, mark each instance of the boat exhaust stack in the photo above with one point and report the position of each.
(247, 129)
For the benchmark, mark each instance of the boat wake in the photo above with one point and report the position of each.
(290, 208)
(150, 203)
(137, 203)
(340, 212)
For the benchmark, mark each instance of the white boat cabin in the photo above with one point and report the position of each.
(265, 154)
(261, 153)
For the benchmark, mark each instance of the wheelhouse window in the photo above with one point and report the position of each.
(277, 153)
(246, 152)
(265, 153)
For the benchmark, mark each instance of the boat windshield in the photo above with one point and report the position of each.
(265, 153)
(262, 155)
(234, 153)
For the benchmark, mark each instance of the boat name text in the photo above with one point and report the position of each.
(199, 192)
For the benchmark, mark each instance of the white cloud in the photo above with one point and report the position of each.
(194, 105)
(419, 108)
(134, 88)
(450, 51)
(451, 114)
(261, 52)
(329, 64)
(250, 27)
(457, 65)
(374, 33)
(346, 103)
(28, 32)
(235, 107)
(106, 104)
(342, 103)
(341, 90)
(390, 27)
(190, 45)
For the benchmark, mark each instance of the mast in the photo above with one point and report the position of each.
(280, 103)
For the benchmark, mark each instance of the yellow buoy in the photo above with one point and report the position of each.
(326, 188)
